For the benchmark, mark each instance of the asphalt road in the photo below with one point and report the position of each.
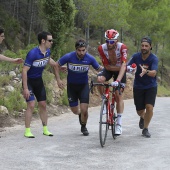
(68, 149)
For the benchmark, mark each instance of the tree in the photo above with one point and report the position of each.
(105, 14)
(60, 18)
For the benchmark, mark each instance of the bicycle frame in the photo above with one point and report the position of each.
(110, 103)
(109, 118)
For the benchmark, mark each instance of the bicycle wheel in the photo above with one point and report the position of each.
(114, 125)
(103, 126)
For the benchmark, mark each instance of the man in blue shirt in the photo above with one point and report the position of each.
(145, 83)
(78, 64)
(33, 85)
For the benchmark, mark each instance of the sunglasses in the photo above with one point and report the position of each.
(80, 44)
(110, 41)
(50, 40)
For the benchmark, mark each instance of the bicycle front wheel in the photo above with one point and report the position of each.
(114, 126)
(103, 126)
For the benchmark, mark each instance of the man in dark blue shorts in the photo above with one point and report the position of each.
(78, 63)
(145, 83)
(33, 85)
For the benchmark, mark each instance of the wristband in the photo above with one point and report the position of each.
(147, 71)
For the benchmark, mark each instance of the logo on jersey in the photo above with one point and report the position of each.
(41, 63)
(145, 66)
(78, 68)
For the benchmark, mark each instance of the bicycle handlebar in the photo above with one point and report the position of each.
(92, 84)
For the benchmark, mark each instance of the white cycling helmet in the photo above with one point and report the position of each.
(111, 34)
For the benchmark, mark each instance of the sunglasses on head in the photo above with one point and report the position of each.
(80, 44)
(110, 41)
(50, 40)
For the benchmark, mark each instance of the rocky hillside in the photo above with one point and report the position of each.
(54, 109)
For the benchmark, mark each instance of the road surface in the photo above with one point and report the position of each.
(68, 149)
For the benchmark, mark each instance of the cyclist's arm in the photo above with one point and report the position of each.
(124, 60)
(122, 71)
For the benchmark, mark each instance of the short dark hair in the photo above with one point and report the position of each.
(1, 30)
(43, 35)
(80, 43)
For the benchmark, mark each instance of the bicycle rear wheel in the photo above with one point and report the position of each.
(103, 126)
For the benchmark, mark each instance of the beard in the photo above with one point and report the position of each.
(144, 51)
(80, 56)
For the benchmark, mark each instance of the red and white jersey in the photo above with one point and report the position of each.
(120, 54)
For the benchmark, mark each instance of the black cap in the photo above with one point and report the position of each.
(147, 39)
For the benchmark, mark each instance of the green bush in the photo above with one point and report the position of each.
(14, 101)
(5, 80)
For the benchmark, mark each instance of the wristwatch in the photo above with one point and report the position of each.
(147, 71)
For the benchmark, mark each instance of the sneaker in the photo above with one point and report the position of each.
(84, 131)
(141, 123)
(146, 133)
(47, 133)
(118, 129)
(29, 135)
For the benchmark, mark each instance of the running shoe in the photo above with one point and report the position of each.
(118, 129)
(146, 133)
(46, 132)
(84, 131)
(29, 135)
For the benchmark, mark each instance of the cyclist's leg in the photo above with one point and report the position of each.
(103, 76)
(119, 104)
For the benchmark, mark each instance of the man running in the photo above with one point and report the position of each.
(78, 64)
(145, 83)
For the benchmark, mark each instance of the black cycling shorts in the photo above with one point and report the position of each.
(143, 97)
(37, 89)
(109, 74)
(77, 92)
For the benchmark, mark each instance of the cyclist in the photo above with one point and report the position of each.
(78, 64)
(33, 85)
(145, 83)
(113, 56)
(4, 58)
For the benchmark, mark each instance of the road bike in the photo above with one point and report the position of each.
(108, 118)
